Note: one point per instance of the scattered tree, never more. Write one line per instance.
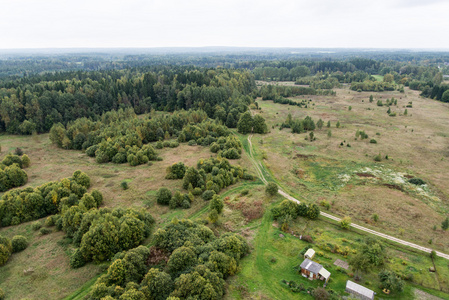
(163, 196)
(271, 189)
(345, 223)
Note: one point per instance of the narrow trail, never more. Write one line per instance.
(326, 215)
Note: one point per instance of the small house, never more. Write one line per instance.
(314, 270)
(310, 254)
(359, 291)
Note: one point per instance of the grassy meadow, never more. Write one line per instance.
(341, 170)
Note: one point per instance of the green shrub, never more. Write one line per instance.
(345, 223)
(19, 243)
(18, 151)
(373, 141)
(244, 192)
(5, 249)
(197, 191)
(124, 185)
(208, 194)
(45, 231)
(77, 259)
(176, 171)
(174, 144)
(98, 196)
(176, 200)
(271, 189)
(378, 157)
(163, 196)
(25, 161)
(5, 253)
(36, 225)
(216, 203)
(81, 178)
(49, 221)
(88, 201)
(159, 145)
(416, 181)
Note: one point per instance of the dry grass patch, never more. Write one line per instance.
(416, 144)
(399, 213)
(48, 274)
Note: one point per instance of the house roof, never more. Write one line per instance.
(310, 252)
(325, 273)
(311, 266)
(359, 289)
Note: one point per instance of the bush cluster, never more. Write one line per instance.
(7, 247)
(213, 174)
(18, 206)
(101, 233)
(196, 269)
(293, 209)
(229, 147)
(176, 171)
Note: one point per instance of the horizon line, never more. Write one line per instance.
(229, 47)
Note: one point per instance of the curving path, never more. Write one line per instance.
(326, 215)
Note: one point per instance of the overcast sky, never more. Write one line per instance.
(195, 23)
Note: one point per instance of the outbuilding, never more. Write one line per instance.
(310, 254)
(359, 291)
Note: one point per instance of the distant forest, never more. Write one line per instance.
(39, 90)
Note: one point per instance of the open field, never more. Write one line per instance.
(324, 170)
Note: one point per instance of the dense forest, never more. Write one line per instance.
(36, 103)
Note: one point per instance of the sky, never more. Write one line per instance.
(241, 23)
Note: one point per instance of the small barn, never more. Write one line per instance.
(359, 291)
(314, 270)
(310, 254)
